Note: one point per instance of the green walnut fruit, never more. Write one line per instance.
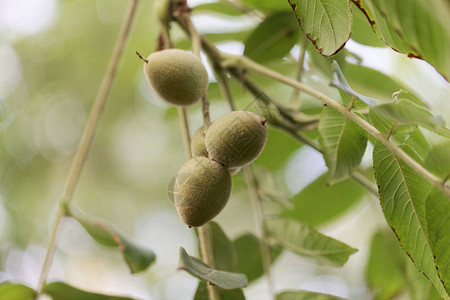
(198, 146)
(177, 76)
(202, 188)
(236, 139)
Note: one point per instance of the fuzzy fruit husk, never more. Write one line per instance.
(236, 139)
(177, 76)
(201, 190)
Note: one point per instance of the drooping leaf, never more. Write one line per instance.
(222, 7)
(304, 295)
(386, 266)
(362, 32)
(402, 195)
(202, 293)
(137, 258)
(223, 249)
(273, 38)
(373, 83)
(341, 83)
(343, 144)
(418, 28)
(437, 210)
(224, 280)
(16, 291)
(249, 259)
(405, 112)
(62, 291)
(305, 240)
(318, 203)
(327, 23)
(438, 160)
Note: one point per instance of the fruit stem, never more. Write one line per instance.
(253, 189)
(203, 232)
(87, 138)
(196, 49)
(184, 126)
(141, 57)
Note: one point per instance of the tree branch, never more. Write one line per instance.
(87, 138)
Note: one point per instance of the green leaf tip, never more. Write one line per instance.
(221, 279)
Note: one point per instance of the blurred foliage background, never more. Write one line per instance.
(53, 54)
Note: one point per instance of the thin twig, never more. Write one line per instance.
(275, 122)
(87, 138)
(234, 61)
(248, 64)
(295, 99)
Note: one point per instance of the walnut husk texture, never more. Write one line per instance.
(177, 76)
(236, 139)
(198, 146)
(201, 191)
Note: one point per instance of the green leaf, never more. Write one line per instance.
(197, 268)
(223, 249)
(202, 293)
(386, 266)
(268, 5)
(413, 141)
(273, 38)
(249, 259)
(327, 23)
(318, 203)
(418, 28)
(63, 291)
(137, 258)
(343, 144)
(419, 287)
(405, 112)
(438, 160)
(15, 291)
(362, 32)
(437, 209)
(341, 83)
(325, 64)
(305, 240)
(375, 84)
(402, 195)
(304, 295)
(222, 7)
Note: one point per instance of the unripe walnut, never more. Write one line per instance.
(198, 146)
(236, 139)
(177, 76)
(201, 191)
